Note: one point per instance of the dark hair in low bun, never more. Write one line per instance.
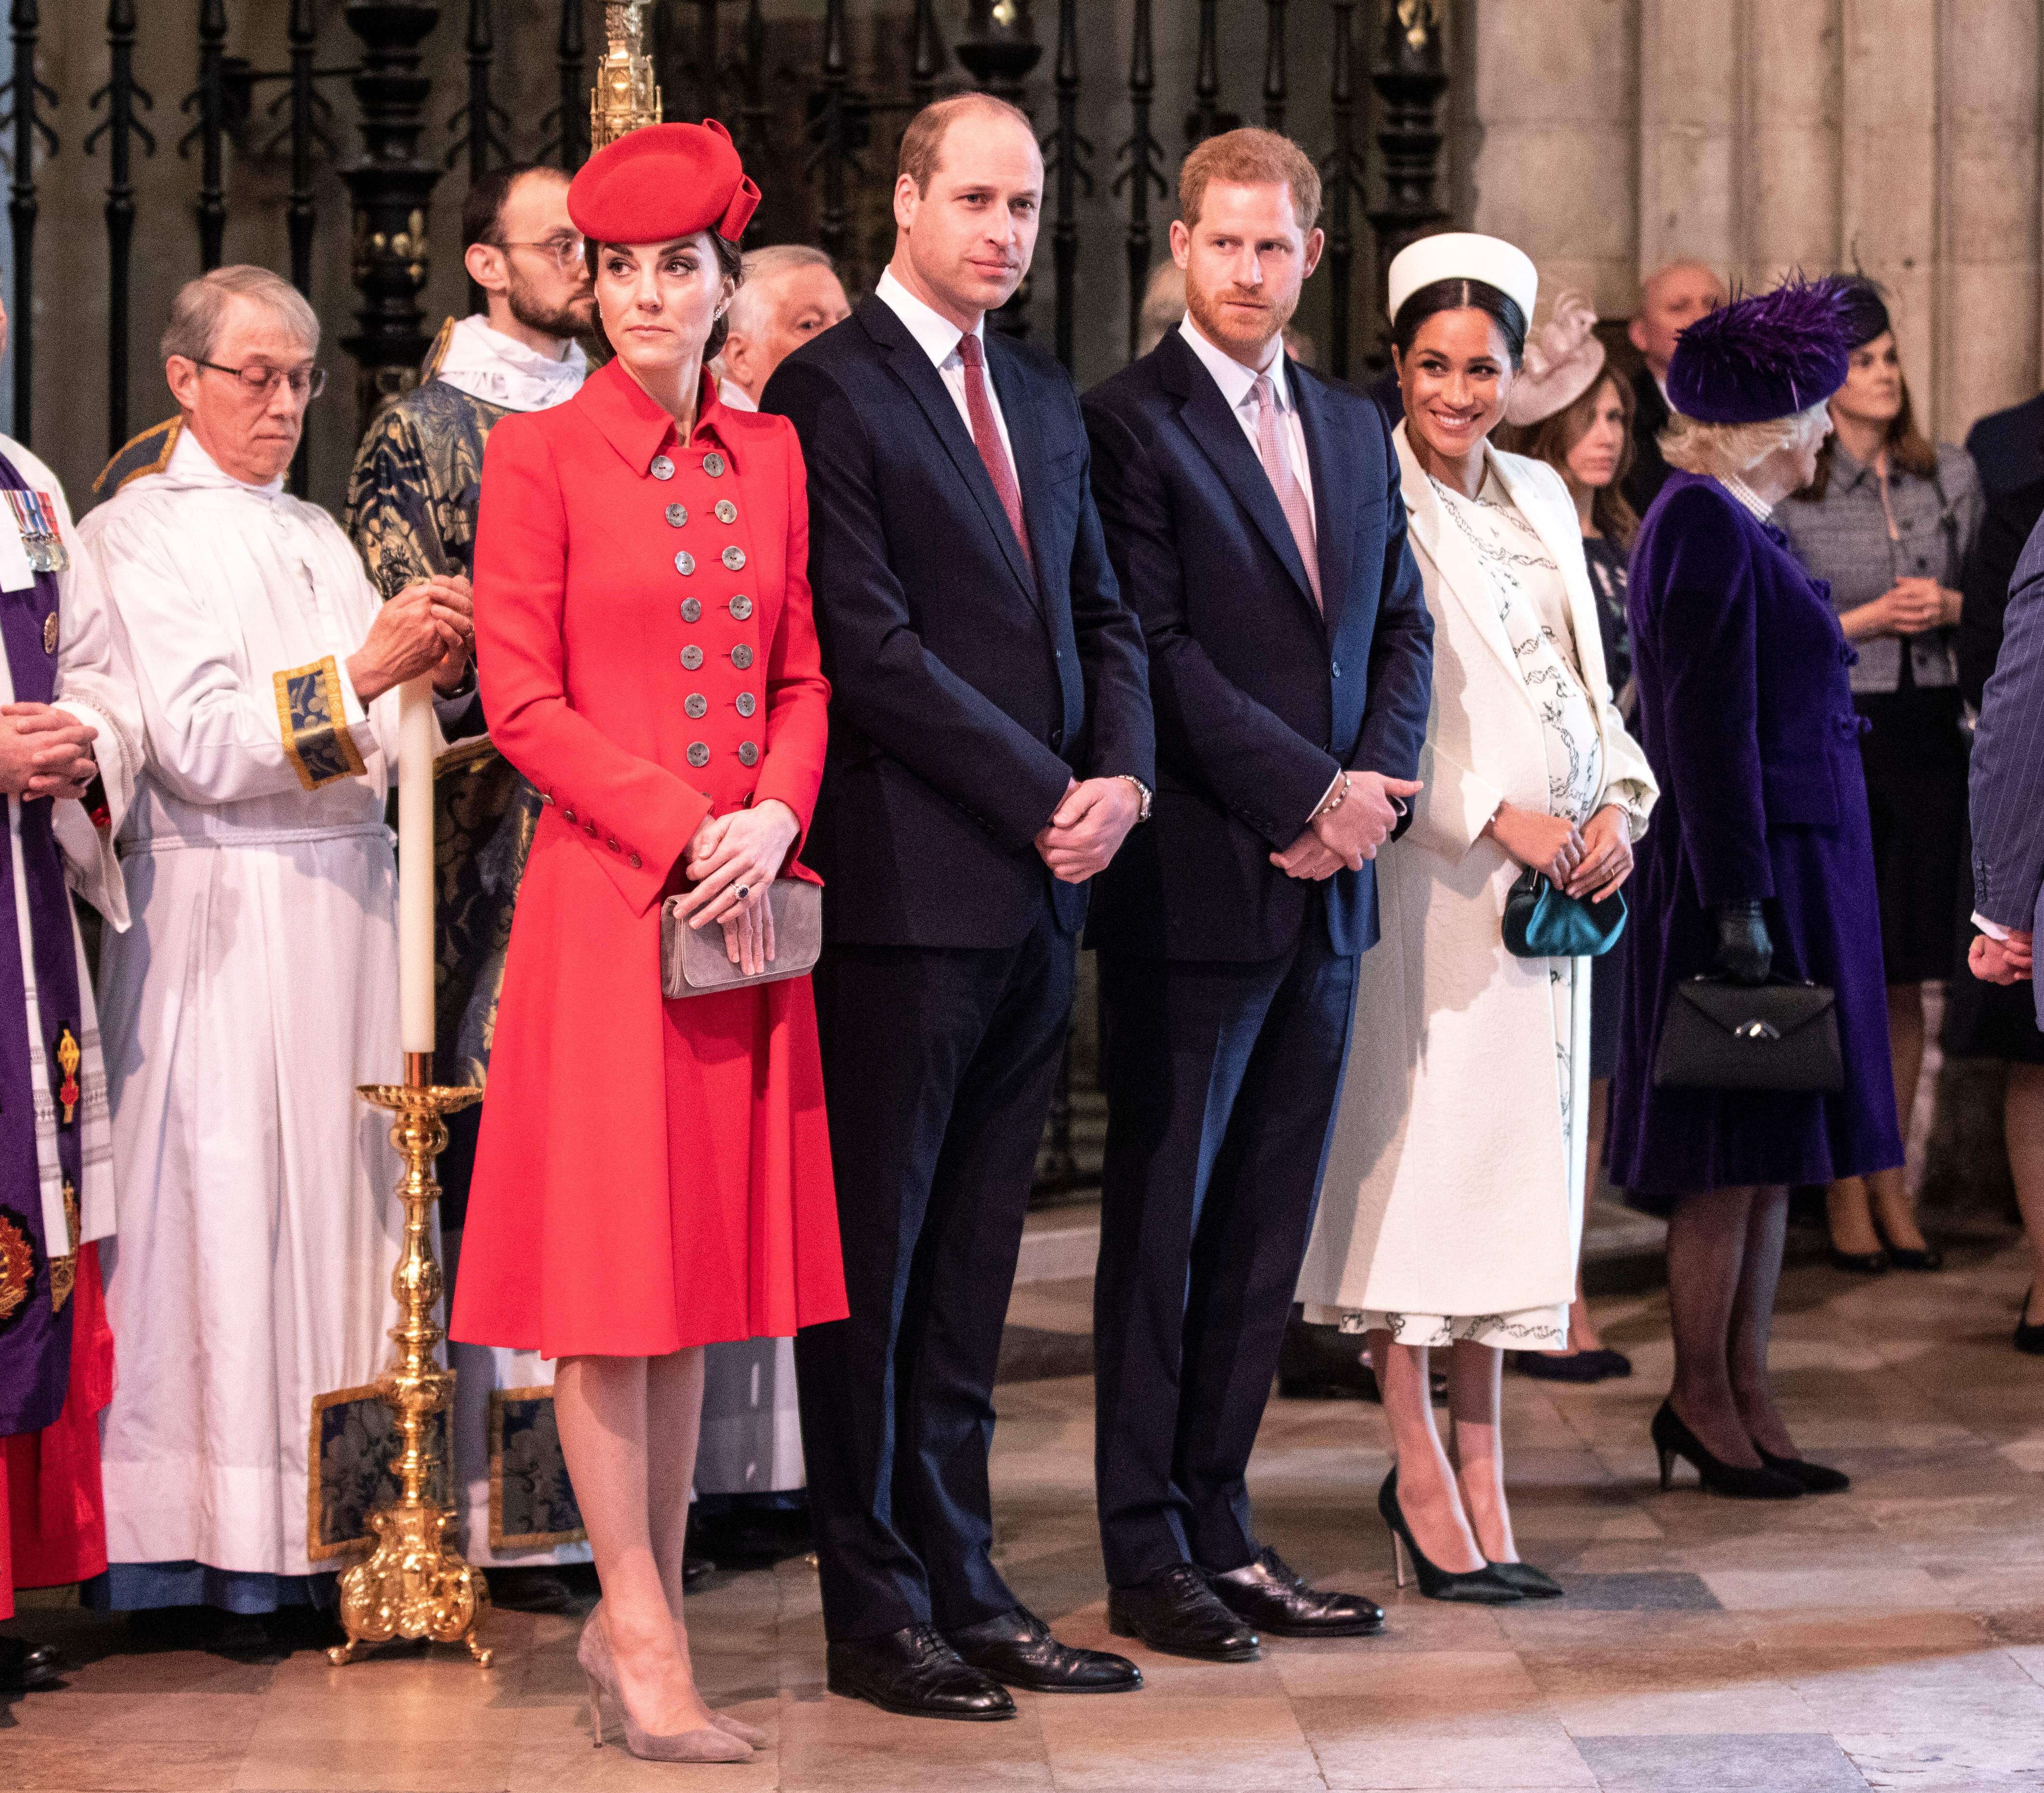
(1461, 295)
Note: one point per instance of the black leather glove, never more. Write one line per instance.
(1746, 951)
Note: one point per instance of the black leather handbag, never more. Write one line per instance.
(1540, 922)
(1718, 1034)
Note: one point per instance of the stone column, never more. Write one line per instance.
(1557, 94)
(1986, 346)
(1790, 201)
(1692, 63)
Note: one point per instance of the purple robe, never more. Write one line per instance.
(1746, 715)
(35, 1333)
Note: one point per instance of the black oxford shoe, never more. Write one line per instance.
(914, 1673)
(1273, 1598)
(1017, 1648)
(25, 1667)
(1179, 1613)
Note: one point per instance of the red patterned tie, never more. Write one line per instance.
(986, 439)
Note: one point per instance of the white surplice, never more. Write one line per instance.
(257, 987)
(90, 687)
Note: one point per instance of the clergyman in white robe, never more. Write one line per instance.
(257, 988)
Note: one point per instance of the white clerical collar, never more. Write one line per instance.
(191, 469)
(1234, 380)
(500, 370)
(732, 396)
(937, 336)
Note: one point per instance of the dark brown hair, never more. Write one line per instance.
(482, 211)
(1553, 439)
(1908, 448)
(923, 142)
(1250, 158)
(730, 266)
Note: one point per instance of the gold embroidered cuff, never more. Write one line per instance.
(313, 718)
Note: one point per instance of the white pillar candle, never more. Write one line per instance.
(415, 862)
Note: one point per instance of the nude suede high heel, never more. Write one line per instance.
(715, 1743)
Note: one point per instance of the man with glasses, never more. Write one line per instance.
(412, 501)
(257, 984)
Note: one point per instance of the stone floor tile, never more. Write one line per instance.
(1478, 1692)
(1875, 1584)
(1648, 1591)
(130, 1765)
(1933, 1762)
(1777, 1762)
(1167, 1745)
(828, 1744)
(170, 1718)
(365, 1764)
(1356, 1753)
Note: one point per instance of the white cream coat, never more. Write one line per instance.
(1449, 1188)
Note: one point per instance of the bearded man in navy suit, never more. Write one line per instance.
(1253, 516)
(990, 747)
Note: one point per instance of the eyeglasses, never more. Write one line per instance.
(566, 251)
(259, 382)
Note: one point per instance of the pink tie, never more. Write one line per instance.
(1291, 498)
(986, 439)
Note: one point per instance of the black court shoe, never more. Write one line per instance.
(1484, 1586)
(1671, 1439)
(1532, 1584)
(2029, 1338)
(1812, 1478)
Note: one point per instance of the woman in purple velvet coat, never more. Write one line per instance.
(1758, 858)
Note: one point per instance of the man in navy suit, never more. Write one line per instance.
(1253, 516)
(2007, 789)
(991, 745)
(2007, 446)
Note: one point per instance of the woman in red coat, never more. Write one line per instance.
(652, 1176)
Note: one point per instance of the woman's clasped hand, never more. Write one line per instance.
(733, 861)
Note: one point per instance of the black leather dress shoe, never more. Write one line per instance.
(1271, 1597)
(1180, 1614)
(1017, 1648)
(914, 1673)
(25, 1667)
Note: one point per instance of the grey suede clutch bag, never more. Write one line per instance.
(693, 962)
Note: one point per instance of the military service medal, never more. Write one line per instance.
(36, 516)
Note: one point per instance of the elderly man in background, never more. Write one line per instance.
(788, 294)
(1671, 299)
(413, 499)
(257, 985)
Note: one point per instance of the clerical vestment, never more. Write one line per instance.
(56, 1170)
(249, 1291)
(412, 503)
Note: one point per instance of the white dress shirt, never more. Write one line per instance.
(1238, 385)
(939, 339)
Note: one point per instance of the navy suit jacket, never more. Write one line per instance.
(2007, 446)
(965, 691)
(1260, 699)
(2008, 778)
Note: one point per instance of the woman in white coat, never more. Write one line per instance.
(1451, 1205)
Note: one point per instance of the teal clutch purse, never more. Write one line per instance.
(1540, 922)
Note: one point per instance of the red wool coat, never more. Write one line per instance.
(651, 1175)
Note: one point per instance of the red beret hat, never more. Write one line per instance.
(661, 182)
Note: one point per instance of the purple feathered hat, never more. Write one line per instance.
(1766, 356)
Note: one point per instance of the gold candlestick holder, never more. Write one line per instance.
(415, 1584)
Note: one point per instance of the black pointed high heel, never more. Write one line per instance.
(1671, 1439)
(1483, 1587)
(1812, 1478)
(2029, 1337)
(1532, 1584)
